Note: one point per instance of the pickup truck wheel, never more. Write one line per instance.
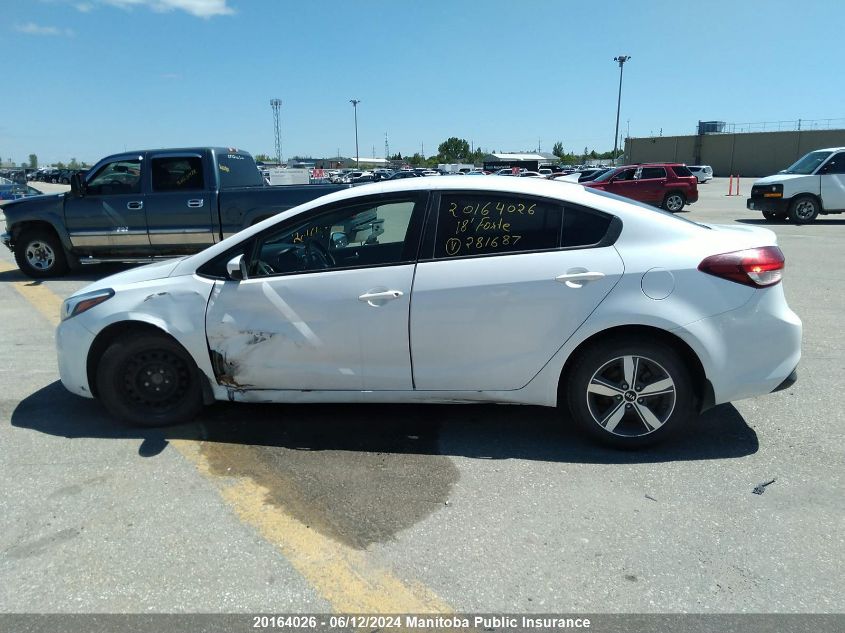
(803, 209)
(149, 380)
(674, 202)
(39, 253)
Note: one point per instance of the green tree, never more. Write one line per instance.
(416, 160)
(557, 150)
(60, 165)
(453, 150)
(73, 164)
(263, 158)
(33, 161)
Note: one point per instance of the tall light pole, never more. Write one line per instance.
(621, 59)
(355, 103)
(276, 104)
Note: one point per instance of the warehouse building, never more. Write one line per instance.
(750, 154)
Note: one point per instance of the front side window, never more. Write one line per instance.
(177, 173)
(483, 224)
(836, 165)
(372, 234)
(626, 174)
(118, 177)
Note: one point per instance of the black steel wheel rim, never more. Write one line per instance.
(154, 380)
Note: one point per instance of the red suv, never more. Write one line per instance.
(669, 185)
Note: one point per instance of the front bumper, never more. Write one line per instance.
(73, 341)
(775, 205)
(6, 238)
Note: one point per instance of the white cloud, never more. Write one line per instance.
(31, 28)
(199, 8)
(84, 7)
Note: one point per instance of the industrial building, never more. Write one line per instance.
(750, 154)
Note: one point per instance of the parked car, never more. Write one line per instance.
(143, 205)
(668, 185)
(813, 185)
(702, 172)
(399, 175)
(512, 290)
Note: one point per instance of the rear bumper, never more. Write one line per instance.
(775, 205)
(750, 351)
(790, 380)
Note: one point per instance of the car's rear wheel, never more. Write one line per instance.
(804, 209)
(149, 379)
(629, 394)
(674, 202)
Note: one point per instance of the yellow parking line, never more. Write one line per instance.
(47, 302)
(343, 576)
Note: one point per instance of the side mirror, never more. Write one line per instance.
(236, 268)
(339, 240)
(77, 185)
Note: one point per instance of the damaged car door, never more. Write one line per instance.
(322, 302)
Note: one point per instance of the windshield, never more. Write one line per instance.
(808, 164)
(606, 176)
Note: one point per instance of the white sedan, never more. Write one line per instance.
(509, 290)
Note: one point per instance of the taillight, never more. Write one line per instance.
(756, 267)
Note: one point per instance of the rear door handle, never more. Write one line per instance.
(196, 204)
(135, 205)
(380, 297)
(578, 279)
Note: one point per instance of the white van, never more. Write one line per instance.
(814, 184)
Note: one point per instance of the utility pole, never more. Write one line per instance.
(276, 104)
(386, 148)
(621, 59)
(355, 103)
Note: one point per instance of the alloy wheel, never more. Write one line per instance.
(631, 396)
(40, 255)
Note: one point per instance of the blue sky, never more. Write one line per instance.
(92, 77)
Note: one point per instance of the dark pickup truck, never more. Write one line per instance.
(146, 205)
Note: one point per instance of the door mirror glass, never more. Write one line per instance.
(339, 240)
(236, 268)
(77, 185)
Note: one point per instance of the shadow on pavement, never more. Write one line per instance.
(85, 273)
(763, 221)
(476, 431)
(360, 474)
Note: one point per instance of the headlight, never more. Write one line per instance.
(84, 302)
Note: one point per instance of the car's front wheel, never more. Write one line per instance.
(629, 394)
(804, 209)
(674, 202)
(149, 379)
(39, 253)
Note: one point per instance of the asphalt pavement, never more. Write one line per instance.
(465, 508)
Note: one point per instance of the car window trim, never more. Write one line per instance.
(410, 254)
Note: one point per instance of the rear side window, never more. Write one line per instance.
(479, 224)
(177, 173)
(681, 171)
(582, 227)
(652, 172)
(238, 170)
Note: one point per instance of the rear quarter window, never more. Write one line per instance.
(681, 171)
(583, 227)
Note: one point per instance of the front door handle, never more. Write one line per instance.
(578, 279)
(196, 203)
(380, 297)
(135, 205)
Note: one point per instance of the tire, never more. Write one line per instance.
(674, 202)
(771, 216)
(622, 415)
(39, 253)
(149, 380)
(804, 209)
